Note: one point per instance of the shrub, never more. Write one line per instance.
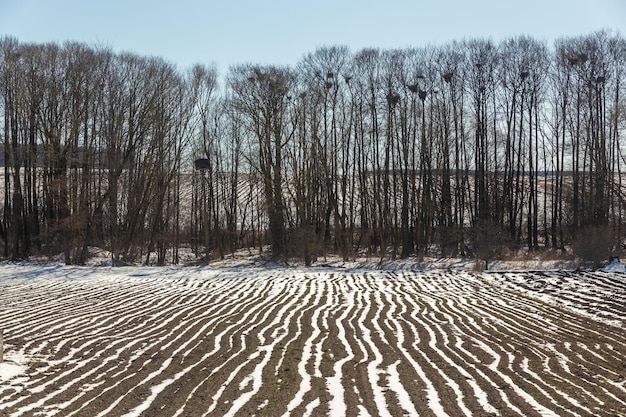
(488, 240)
(594, 245)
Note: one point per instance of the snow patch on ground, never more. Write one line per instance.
(615, 266)
(255, 257)
(10, 370)
(13, 365)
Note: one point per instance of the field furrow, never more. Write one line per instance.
(236, 342)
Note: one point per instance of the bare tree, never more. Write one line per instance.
(263, 96)
(399, 152)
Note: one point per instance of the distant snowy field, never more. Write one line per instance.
(244, 339)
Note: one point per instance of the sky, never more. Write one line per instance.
(281, 32)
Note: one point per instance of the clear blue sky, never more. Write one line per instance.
(280, 32)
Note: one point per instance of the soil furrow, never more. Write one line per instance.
(207, 341)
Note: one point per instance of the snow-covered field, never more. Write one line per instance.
(339, 341)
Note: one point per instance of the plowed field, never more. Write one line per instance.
(310, 342)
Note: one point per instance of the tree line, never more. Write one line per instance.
(458, 149)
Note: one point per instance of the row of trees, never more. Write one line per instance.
(450, 150)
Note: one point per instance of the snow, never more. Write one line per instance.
(283, 307)
(615, 266)
(13, 365)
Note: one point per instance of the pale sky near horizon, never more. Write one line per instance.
(281, 32)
